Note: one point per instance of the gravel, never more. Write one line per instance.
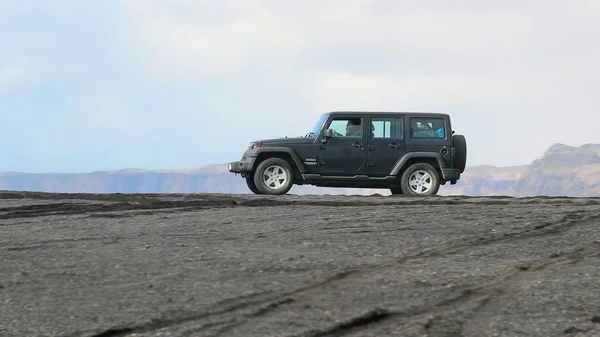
(103, 265)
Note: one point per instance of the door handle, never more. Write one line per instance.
(357, 144)
(393, 145)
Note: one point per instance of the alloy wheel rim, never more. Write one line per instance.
(420, 181)
(274, 177)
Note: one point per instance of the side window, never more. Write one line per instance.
(387, 128)
(381, 128)
(346, 127)
(427, 128)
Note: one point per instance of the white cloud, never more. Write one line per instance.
(487, 63)
(338, 90)
(224, 36)
(281, 63)
(179, 44)
(13, 74)
(217, 38)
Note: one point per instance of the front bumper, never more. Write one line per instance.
(241, 166)
(451, 174)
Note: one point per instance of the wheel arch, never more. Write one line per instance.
(288, 155)
(434, 159)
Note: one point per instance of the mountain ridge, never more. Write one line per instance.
(562, 170)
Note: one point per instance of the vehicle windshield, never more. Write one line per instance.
(317, 126)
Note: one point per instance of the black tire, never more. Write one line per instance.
(396, 190)
(429, 173)
(460, 145)
(252, 185)
(281, 168)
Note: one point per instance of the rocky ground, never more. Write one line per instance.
(245, 265)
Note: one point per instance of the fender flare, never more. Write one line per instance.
(290, 152)
(410, 155)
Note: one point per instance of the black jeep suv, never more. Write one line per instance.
(409, 153)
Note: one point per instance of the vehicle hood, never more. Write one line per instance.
(285, 141)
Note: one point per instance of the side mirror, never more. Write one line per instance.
(328, 133)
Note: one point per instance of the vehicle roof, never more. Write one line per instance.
(415, 113)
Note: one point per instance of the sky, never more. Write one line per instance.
(105, 85)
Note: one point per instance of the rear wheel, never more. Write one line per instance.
(252, 185)
(396, 190)
(273, 176)
(420, 179)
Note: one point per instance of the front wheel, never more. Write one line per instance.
(273, 176)
(420, 179)
(252, 185)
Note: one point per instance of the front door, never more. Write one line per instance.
(344, 154)
(385, 144)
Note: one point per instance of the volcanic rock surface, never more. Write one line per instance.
(102, 265)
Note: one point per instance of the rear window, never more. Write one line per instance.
(427, 128)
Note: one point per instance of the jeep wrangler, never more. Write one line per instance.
(409, 153)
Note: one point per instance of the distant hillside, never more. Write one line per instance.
(562, 170)
(214, 178)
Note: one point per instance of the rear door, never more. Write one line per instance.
(385, 144)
